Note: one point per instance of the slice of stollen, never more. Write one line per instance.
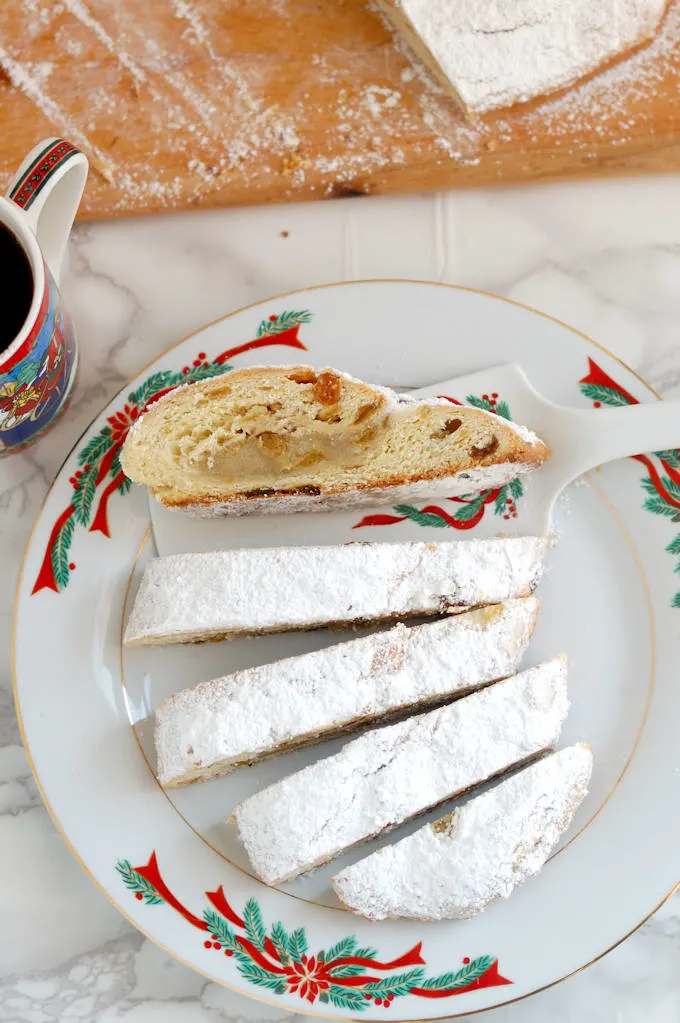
(189, 598)
(291, 438)
(455, 867)
(502, 52)
(392, 774)
(214, 727)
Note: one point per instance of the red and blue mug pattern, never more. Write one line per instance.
(38, 368)
(36, 383)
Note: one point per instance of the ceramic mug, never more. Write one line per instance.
(38, 355)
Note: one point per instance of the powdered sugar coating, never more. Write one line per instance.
(391, 774)
(456, 867)
(188, 597)
(210, 728)
(468, 481)
(499, 53)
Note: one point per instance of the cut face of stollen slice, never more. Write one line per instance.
(392, 774)
(290, 438)
(187, 598)
(455, 867)
(216, 726)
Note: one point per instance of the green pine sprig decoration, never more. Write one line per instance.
(96, 447)
(218, 926)
(297, 946)
(138, 884)
(284, 321)
(465, 512)
(461, 978)
(83, 495)
(397, 986)
(159, 381)
(345, 947)
(660, 507)
(674, 546)
(60, 552)
(366, 952)
(281, 942)
(477, 402)
(419, 517)
(346, 998)
(263, 978)
(604, 395)
(255, 928)
(502, 409)
(671, 458)
(346, 970)
(501, 502)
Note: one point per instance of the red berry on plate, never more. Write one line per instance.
(207, 944)
(216, 944)
(139, 896)
(494, 395)
(72, 566)
(272, 318)
(466, 960)
(201, 355)
(597, 404)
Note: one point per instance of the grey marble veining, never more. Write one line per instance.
(603, 256)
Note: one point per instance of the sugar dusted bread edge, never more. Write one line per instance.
(453, 868)
(260, 712)
(186, 598)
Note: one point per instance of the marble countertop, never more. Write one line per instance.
(604, 256)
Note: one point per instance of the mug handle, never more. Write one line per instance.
(48, 187)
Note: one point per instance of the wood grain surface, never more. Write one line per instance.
(182, 104)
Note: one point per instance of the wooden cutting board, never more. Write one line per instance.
(182, 104)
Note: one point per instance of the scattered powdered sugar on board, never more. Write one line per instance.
(616, 98)
(186, 105)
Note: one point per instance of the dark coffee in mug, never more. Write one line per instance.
(16, 287)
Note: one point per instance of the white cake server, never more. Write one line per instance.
(579, 439)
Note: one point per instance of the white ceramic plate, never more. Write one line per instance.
(610, 599)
